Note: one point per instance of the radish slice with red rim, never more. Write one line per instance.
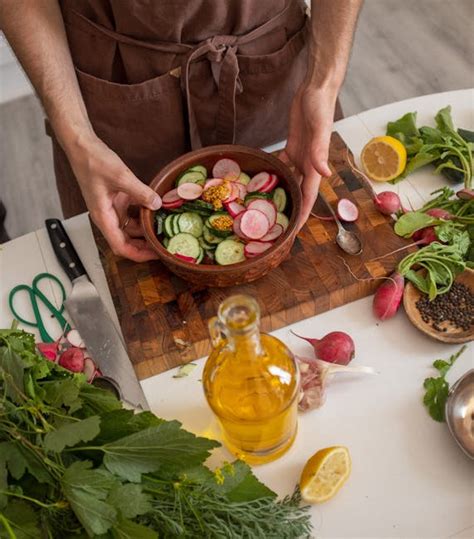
(214, 182)
(347, 210)
(74, 339)
(234, 193)
(189, 191)
(242, 190)
(234, 208)
(266, 207)
(236, 226)
(254, 224)
(272, 183)
(256, 248)
(185, 258)
(275, 232)
(171, 196)
(173, 205)
(226, 169)
(89, 369)
(258, 181)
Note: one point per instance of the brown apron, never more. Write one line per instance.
(162, 77)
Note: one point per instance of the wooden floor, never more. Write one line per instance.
(403, 48)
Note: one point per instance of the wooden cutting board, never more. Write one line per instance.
(164, 319)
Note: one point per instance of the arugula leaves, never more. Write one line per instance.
(443, 146)
(74, 463)
(437, 389)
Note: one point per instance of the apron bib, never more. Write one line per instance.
(220, 72)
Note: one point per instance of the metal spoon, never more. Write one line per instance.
(459, 412)
(348, 241)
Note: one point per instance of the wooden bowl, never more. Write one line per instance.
(251, 161)
(453, 334)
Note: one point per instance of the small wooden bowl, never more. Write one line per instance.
(453, 335)
(251, 161)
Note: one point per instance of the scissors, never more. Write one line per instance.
(37, 295)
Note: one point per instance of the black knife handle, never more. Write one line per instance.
(64, 249)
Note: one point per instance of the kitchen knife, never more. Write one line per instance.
(91, 319)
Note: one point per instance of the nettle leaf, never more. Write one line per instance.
(146, 451)
(86, 489)
(126, 529)
(97, 400)
(130, 500)
(12, 371)
(19, 459)
(70, 434)
(120, 423)
(62, 393)
(22, 519)
(237, 482)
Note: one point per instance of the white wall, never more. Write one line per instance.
(13, 82)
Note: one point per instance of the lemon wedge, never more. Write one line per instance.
(325, 473)
(384, 158)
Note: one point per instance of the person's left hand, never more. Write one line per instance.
(307, 148)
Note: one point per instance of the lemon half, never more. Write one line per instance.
(384, 158)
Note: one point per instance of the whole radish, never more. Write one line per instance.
(387, 202)
(439, 213)
(388, 297)
(465, 194)
(335, 347)
(425, 236)
(49, 350)
(72, 359)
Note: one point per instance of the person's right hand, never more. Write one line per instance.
(109, 187)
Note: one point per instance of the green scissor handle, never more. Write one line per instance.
(35, 295)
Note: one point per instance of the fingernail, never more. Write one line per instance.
(156, 203)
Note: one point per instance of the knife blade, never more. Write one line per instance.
(91, 319)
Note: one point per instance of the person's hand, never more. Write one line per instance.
(307, 148)
(109, 187)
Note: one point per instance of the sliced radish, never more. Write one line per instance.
(275, 232)
(255, 248)
(185, 258)
(273, 182)
(266, 207)
(236, 226)
(226, 169)
(74, 339)
(234, 193)
(190, 191)
(171, 196)
(89, 369)
(49, 350)
(214, 182)
(72, 359)
(234, 208)
(254, 224)
(242, 190)
(258, 181)
(173, 205)
(347, 210)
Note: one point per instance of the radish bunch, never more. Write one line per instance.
(69, 352)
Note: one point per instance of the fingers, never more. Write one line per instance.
(138, 191)
(309, 190)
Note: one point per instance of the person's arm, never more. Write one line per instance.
(35, 31)
(333, 24)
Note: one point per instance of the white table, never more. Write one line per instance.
(409, 479)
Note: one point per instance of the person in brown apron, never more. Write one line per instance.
(128, 85)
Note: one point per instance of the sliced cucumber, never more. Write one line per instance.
(166, 242)
(199, 206)
(216, 231)
(256, 194)
(168, 226)
(160, 217)
(190, 223)
(282, 220)
(175, 224)
(279, 199)
(206, 245)
(184, 244)
(230, 252)
(200, 256)
(210, 237)
(198, 168)
(243, 178)
(191, 177)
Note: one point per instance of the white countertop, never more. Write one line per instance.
(409, 479)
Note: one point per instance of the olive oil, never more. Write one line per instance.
(251, 384)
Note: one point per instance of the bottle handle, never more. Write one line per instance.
(217, 332)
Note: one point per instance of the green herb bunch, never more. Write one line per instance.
(449, 149)
(74, 464)
(453, 251)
